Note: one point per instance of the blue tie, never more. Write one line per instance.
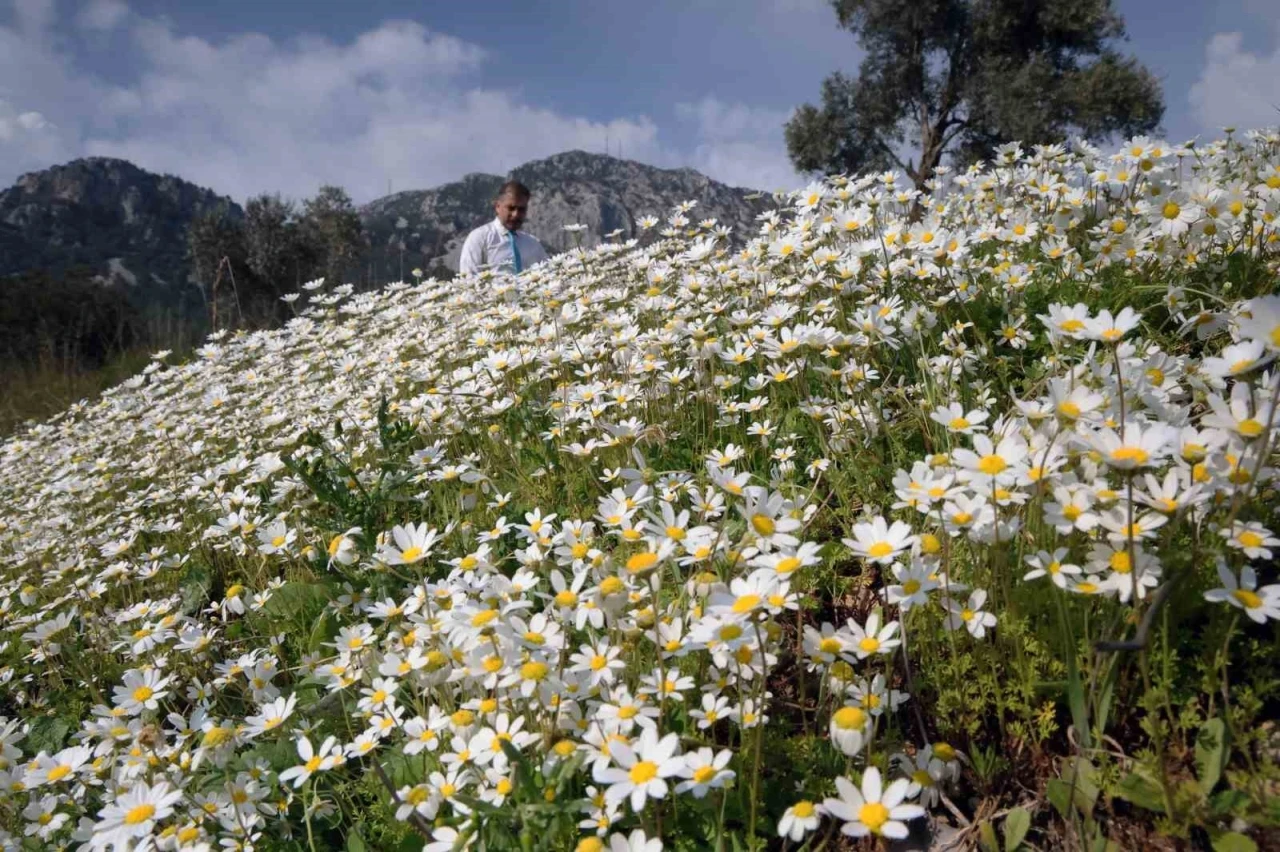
(515, 250)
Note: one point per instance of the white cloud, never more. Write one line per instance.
(34, 16)
(1236, 87)
(739, 144)
(102, 15)
(248, 114)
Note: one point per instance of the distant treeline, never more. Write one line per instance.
(66, 319)
(68, 333)
(240, 267)
(244, 265)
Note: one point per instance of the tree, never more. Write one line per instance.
(963, 77)
(331, 227)
(271, 242)
(216, 249)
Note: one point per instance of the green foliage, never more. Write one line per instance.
(331, 226)
(966, 76)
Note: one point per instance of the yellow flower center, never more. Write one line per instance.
(849, 718)
(869, 644)
(215, 737)
(566, 598)
(746, 603)
(1249, 538)
(992, 464)
(1251, 600)
(142, 693)
(787, 564)
(59, 772)
(411, 554)
(959, 424)
(641, 562)
(533, 670)
(763, 524)
(643, 772)
(1136, 455)
(703, 774)
(804, 810)
(139, 814)
(830, 645)
(730, 632)
(873, 815)
(879, 549)
(1250, 428)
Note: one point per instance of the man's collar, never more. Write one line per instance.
(502, 227)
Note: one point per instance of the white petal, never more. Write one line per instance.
(871, 786)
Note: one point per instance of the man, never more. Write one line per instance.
(501, 244)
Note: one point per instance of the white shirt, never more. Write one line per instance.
(489, 247)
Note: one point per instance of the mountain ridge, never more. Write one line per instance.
(129, 224)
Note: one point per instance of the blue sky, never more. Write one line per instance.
(247, 97)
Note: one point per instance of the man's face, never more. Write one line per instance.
(511, 211)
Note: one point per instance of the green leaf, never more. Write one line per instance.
(1083, 793)
(298, 602)
(1059, 795)
(1107, 693)
(1233, 841)
(48, 733)
(987, 837)
(403, 770)
(1141, 791)
(1228, 802)
(1076, 701)
(195, 588)
(355, 843)
(1016, 826)
(322, 632)
(1211, 754)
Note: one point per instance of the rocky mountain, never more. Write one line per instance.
(126, 223)
(573, 188)
(130, 225)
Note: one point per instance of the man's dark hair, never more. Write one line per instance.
(514, 188)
